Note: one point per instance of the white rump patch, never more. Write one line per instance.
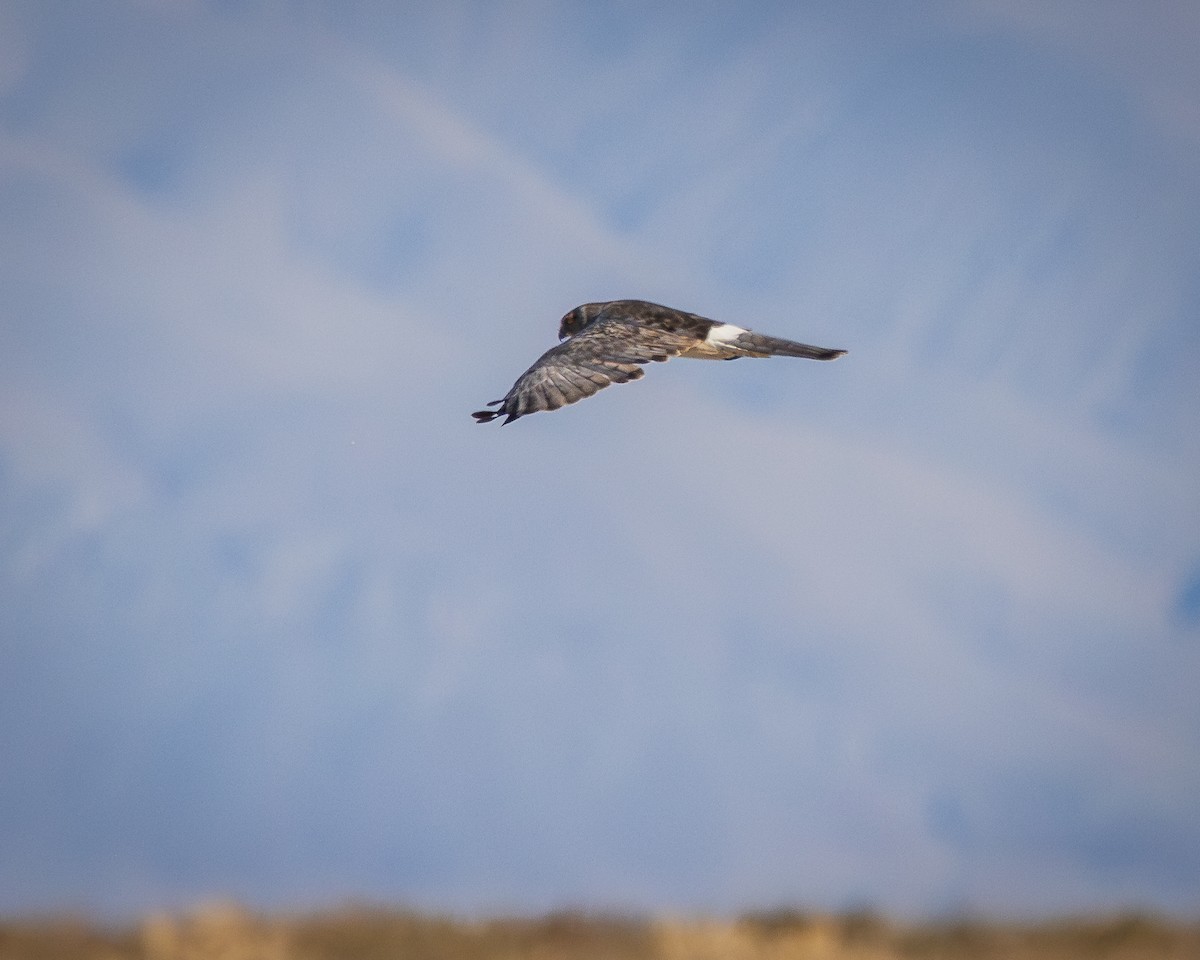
(724, 333)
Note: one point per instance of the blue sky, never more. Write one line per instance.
(918, 630)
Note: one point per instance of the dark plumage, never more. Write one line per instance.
(606, 343)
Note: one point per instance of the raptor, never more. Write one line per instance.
(605, 343)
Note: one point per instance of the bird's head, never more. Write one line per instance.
(577, 319)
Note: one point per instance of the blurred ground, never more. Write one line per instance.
(229, 933)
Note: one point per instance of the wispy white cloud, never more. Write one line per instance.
(900, 629)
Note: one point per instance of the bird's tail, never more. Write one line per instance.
(766, 346)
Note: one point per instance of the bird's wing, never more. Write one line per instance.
(609, 350)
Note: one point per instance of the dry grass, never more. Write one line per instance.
(229, 933)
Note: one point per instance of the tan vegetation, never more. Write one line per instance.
(229, 933)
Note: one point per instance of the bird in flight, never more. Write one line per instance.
(607, 343)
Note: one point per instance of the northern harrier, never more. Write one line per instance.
(609, 342)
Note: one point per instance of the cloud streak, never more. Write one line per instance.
(284, 624)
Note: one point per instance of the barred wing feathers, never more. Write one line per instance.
(605, 352)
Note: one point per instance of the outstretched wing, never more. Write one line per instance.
(606, 351)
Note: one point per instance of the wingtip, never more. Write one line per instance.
(487, 416)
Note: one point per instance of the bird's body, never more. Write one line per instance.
(605, 343)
